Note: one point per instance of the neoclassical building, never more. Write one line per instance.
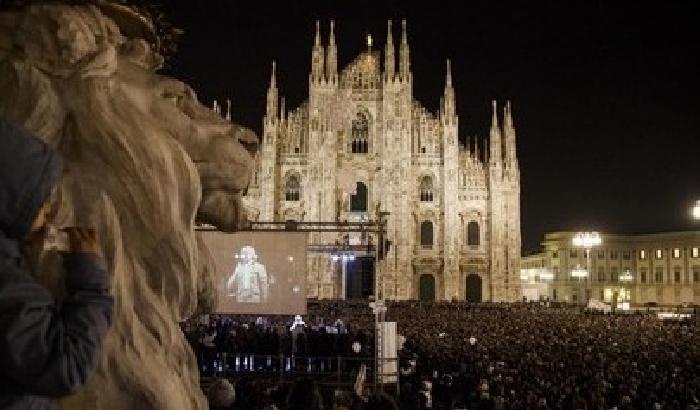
(454, 211)
(662, 268)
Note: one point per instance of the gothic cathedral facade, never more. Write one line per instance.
(454, 213)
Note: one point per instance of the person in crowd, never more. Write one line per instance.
(221, 394)
(47, 349)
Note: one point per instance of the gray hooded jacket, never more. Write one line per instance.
(47, 350)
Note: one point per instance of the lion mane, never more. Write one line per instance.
(145, 161)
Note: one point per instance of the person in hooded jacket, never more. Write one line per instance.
(47, 350)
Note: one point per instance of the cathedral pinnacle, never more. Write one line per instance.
(317, 57)
(448, 79)
(389, 60)
(495, 143)
(404, 59)
(332, 35)
(332, 57)
(317, 39)
(272, 94)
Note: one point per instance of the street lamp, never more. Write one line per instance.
(586, 240)
(696, 210)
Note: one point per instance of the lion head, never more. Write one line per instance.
(145, 160)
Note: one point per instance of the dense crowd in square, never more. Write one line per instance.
(479, 356)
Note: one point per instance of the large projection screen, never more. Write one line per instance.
(259, 272)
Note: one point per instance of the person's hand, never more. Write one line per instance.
(83, 240)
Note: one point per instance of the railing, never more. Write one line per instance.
(336, 369)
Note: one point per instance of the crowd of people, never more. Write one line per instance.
(490, 356)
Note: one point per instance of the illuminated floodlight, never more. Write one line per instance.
(524, 275)
(335, 257)
(290, 258)
(579, 272)
(587, 239)
(696, 210)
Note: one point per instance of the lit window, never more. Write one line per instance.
(696, 252)
(676, 253)
(642, 254)
(659, 254)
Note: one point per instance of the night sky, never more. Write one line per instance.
(605, 94)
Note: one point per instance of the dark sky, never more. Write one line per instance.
(605, 93)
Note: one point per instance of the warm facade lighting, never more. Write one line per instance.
(587, 239)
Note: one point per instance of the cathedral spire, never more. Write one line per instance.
(317, 39)
(389, 58)
(509, 131)
(332, 57)
(404, 59)
(448, 76)
(449, 95)
(317, 57)
(271, 113)
(495, 144)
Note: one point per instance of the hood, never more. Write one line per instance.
(28, 171)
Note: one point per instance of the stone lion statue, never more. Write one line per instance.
(145, 161)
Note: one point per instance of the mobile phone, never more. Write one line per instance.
(56, 240)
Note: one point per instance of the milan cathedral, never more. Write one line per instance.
(454, 210)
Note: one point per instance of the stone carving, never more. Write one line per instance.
(145, 160)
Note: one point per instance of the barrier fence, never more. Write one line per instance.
(338, 369)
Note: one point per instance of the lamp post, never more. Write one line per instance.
(586, 240)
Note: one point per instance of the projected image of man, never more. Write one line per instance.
(248, 283)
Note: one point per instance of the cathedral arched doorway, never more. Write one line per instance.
(473, 289)
(427, 288)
